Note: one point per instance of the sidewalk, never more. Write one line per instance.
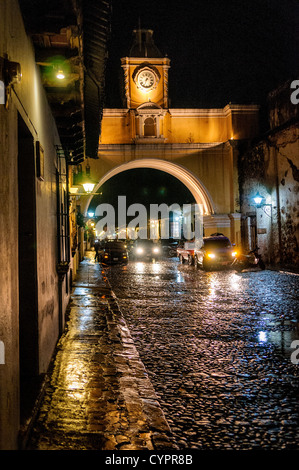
(98, 395)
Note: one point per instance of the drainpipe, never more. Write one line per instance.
(278, 204)
(60, 278)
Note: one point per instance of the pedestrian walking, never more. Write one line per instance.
(96, 247)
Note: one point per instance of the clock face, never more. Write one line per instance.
(146, 79)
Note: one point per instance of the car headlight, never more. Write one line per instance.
(211, 255)
(139, 251)
(156, 250)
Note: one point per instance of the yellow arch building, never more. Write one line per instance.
(197, 146)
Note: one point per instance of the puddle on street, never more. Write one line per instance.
(217, 347)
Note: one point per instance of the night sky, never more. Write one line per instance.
(220, 52)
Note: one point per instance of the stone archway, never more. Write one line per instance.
(195, 186)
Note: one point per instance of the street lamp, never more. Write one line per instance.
(257, 199)
(88, 185)
(60, 75)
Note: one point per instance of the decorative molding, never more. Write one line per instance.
(165, 85)
(127, 83)
(216, 220)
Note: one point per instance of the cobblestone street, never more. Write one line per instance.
(190, 360)
(217, 349)
(97, 395)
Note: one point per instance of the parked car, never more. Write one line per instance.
(169, 248)
(113, 252)
(186, 252)
(146, 250)
(216, 252)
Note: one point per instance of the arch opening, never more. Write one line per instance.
(195, 186)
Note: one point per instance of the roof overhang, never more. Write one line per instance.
(72, 36)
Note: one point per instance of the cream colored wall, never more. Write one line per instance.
(176, 128)
(27, 98)
(185, 125)
(212, 166)
(194, 128)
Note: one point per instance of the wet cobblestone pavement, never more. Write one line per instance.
(216, 347)
(98, 395)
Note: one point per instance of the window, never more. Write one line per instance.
(149, 127)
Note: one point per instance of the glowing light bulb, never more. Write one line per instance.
(60, 75)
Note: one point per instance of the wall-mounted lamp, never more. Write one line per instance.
(88, 185)
(12, 72)
(258, 199)
(60, 74)
(84, 181)
(260, 202)
(87, 191)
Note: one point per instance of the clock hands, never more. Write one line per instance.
(146, 80)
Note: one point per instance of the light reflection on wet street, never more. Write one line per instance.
(217, 348)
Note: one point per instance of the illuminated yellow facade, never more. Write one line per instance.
(150, 123)
(198, 146)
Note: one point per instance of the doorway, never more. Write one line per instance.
(28, 303)
(249, 231)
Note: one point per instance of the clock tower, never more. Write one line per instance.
(145, 72)
(197, 146)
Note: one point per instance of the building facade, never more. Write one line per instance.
(197, 146)
(34, 250)
(270, 168)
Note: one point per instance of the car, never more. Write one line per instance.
(113, 252)
(146, 250)
(216, 252)
(185, 252)
(169, 248)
